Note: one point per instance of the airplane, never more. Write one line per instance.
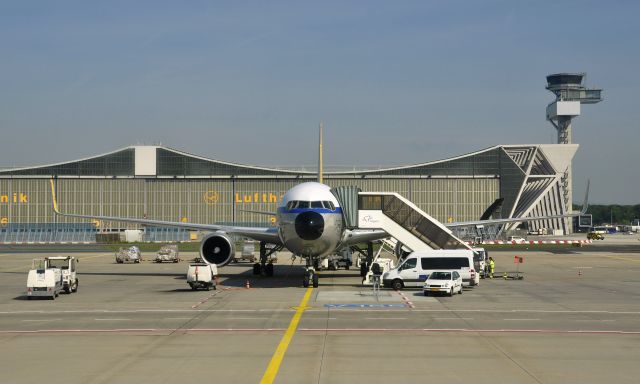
(309, 224)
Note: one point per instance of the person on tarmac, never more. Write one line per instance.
(492, 267)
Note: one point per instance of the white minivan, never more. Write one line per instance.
(415, 268)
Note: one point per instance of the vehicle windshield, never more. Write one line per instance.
(440, 276)
(62, 264)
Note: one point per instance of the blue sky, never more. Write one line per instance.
(248, 81)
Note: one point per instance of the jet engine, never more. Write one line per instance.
(217, 249)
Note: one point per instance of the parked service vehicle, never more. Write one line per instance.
(516, 239)
(202, 275)
(168, 252)
(480, 261)
(595, 236)
(68, 267)
(443, 282)
(43, 281)
(131, 254)
(415, 268)
(247, 250)
(341, 259)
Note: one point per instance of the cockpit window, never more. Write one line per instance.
(295, 204)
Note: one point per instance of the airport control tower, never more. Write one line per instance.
(570, 93)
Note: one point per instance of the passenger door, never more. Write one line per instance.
(409, 273)
(457, 281)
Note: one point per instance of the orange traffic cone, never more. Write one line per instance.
(247, 285)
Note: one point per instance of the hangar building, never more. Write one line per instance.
(161, 183)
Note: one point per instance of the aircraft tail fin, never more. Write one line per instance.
(320, 161)
(585, 203)
(492, 209)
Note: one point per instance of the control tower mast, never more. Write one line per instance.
(570, 92)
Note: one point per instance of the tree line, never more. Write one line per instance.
(612, 214)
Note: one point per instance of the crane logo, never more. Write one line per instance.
(211, 197)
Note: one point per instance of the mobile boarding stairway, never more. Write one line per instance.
(404, 221)
(396, 215)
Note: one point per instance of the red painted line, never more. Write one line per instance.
(356, 330)
(406, 300)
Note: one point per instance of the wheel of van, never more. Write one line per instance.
(315, 280)
(67, 289)
(397, 285)
(426, 293)
(75, 287)
(460, 290)
(305, 281)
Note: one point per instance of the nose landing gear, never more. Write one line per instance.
(310, 275)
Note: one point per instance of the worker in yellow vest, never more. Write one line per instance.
(492, 267)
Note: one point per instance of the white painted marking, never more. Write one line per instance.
(385, 318)
(245, 318)
(43, 320)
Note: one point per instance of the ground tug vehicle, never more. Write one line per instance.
(51, 275)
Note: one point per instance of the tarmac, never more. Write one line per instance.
(573, 318)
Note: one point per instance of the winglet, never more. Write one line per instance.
(585, 203)
(53, 197)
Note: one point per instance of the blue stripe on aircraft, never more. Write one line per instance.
(318, 210)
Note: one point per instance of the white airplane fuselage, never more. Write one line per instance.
(310, 220)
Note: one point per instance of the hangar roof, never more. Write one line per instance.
(164, 162)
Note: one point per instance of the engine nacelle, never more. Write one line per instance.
(217, 249)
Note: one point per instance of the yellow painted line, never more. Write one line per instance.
(274, 365)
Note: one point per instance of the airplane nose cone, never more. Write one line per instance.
(309, 225)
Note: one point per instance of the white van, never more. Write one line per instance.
(418, 265)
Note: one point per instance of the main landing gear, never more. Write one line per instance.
(264, 267)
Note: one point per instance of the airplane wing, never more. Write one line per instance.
(505, 221)
(495, 205)
(267, 234)
(357, 236)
